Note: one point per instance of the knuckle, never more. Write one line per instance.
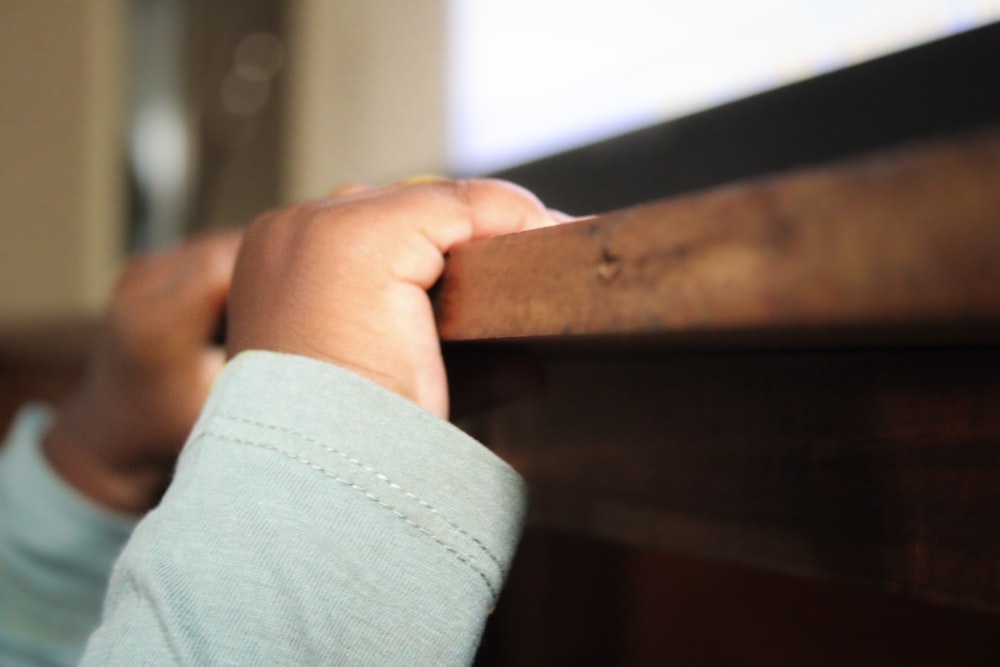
(207, 261)
(459, 189)
(259, 225)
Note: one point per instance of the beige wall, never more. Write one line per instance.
(61, 153)
(364, 99)
(366, 92)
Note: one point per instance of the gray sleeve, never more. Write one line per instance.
(315, 519)
(56, 553)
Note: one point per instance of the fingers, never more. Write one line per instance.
(561, 217)
(463, 211)
(174, 298)
(204, 267)
(448, 213)
(149, 372)
(453, 212)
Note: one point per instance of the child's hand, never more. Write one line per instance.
(345, 279)
(151, 369)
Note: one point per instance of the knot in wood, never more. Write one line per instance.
(609, 267)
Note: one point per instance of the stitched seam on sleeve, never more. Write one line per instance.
(368, 494)
(378, 475)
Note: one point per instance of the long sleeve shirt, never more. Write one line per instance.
(314, 518)
(56, 551)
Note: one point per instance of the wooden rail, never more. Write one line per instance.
(908, 237)
(800, 373)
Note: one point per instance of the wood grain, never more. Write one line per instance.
(905, 238)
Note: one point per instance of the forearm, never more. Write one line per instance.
(315, 518)
(56, 553)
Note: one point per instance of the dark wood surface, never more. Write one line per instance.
(571, 600)
(874, 466)
(800, 374)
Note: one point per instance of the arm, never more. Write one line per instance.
(56, 551)
(73, 482)
(323, 511)
(350, 527)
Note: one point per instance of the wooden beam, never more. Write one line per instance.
(908, 238)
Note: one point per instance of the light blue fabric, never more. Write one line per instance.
(56, 552)
(315, 519)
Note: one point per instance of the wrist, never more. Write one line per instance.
(79, 449)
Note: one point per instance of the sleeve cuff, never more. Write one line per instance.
(425, 470)
(315, 518)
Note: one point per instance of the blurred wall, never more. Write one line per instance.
(361, 97)
(365, 94)
(61, 157)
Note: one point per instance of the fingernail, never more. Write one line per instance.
(422, 178)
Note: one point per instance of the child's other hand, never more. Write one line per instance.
(116, 440)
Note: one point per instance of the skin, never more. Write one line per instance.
(345, 279)
(342, 279)
(117, 438)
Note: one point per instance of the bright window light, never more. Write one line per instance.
(528, 78)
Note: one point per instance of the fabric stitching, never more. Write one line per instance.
(332, 475)
(380, 476)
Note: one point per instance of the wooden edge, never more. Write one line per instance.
(906, 236)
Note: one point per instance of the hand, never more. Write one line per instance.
(149, 373)
(345, 279)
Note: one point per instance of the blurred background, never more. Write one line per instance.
(126, 124)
